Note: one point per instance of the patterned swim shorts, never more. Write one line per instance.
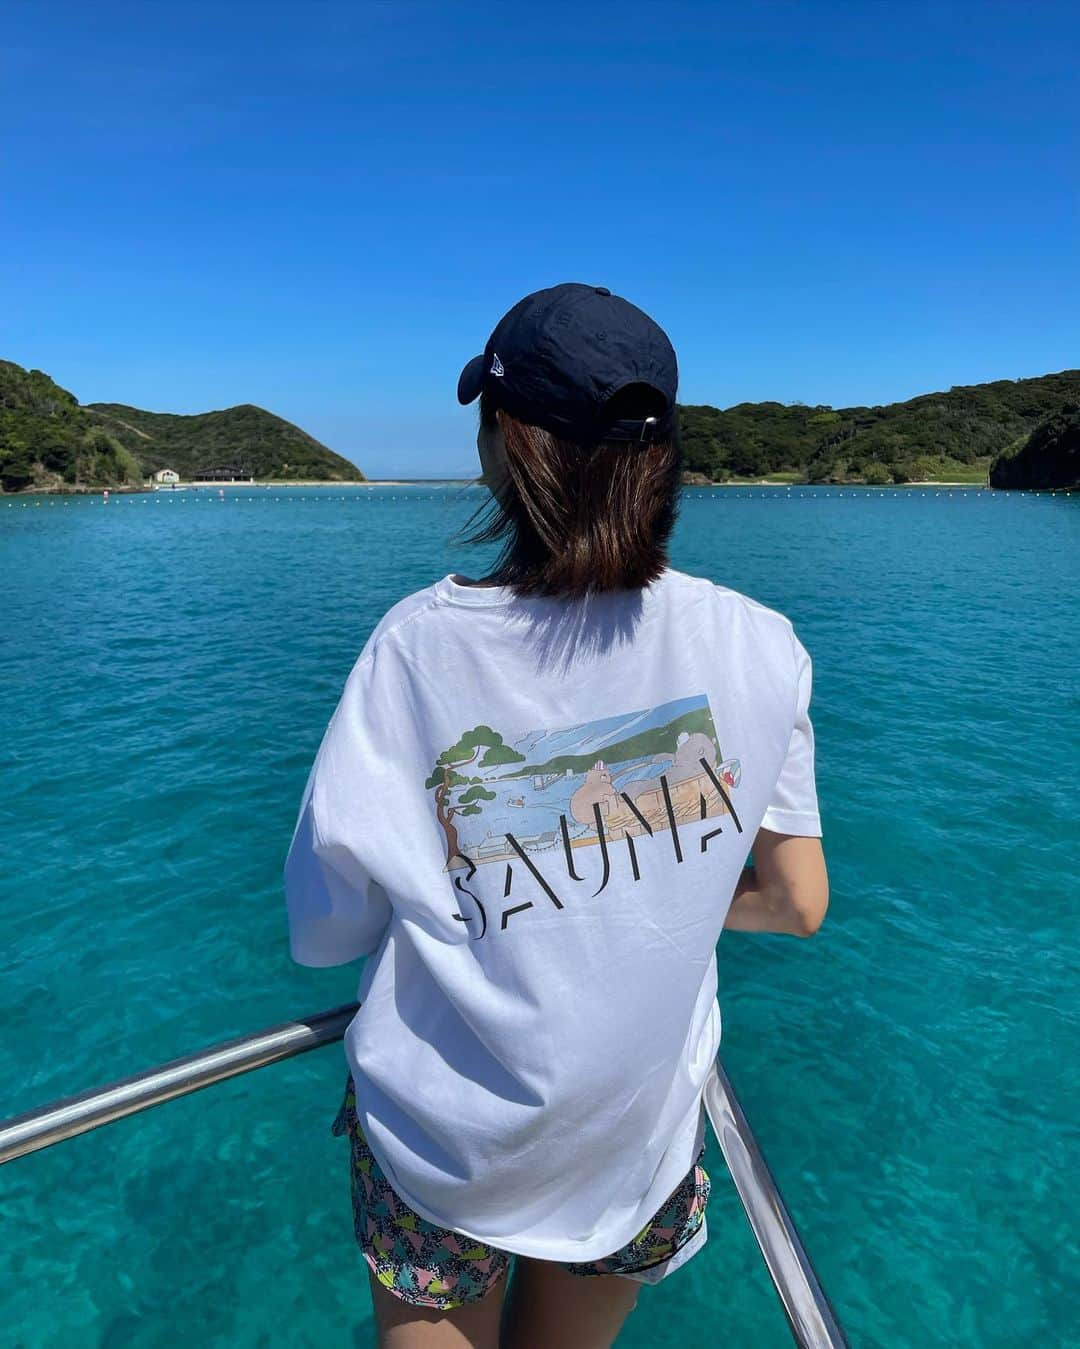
(432, 1266)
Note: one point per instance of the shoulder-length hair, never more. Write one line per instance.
(580, 519)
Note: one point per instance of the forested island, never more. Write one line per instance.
(1014, 433)
(51, 442)
(955, 436)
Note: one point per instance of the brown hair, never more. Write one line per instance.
(580, 519)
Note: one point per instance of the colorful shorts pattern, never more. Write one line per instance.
(432, 1266)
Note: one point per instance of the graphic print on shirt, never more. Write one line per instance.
(533, 799)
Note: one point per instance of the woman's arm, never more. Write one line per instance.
(786, 890)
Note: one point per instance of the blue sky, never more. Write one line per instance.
(324, 208)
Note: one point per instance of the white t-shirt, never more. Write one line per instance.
(531, 815)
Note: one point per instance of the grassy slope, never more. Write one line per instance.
(246, 436)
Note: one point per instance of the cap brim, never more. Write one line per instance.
(471, 381)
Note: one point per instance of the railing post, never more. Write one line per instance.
(810, 1316)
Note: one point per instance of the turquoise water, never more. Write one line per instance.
(168, 665)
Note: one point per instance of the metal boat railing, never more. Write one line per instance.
(809, 1314)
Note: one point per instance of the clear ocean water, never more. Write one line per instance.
(168, 665)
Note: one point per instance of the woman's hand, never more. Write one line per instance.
(786, 890)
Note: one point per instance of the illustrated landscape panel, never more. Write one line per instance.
(635, 773)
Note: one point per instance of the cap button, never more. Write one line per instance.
(602, 290)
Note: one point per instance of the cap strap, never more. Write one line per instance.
(644, 430)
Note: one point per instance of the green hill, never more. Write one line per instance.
(245, 436)
(937, 435)
(48, 440)
(1050, 457)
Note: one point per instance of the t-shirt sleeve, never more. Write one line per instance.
(793, 808)
(336, 911)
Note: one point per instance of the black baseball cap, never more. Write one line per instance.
(560, 355)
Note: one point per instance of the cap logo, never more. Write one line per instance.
(497, 365)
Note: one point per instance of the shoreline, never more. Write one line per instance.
(879, 486)
(267, 484)
(129, 489)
